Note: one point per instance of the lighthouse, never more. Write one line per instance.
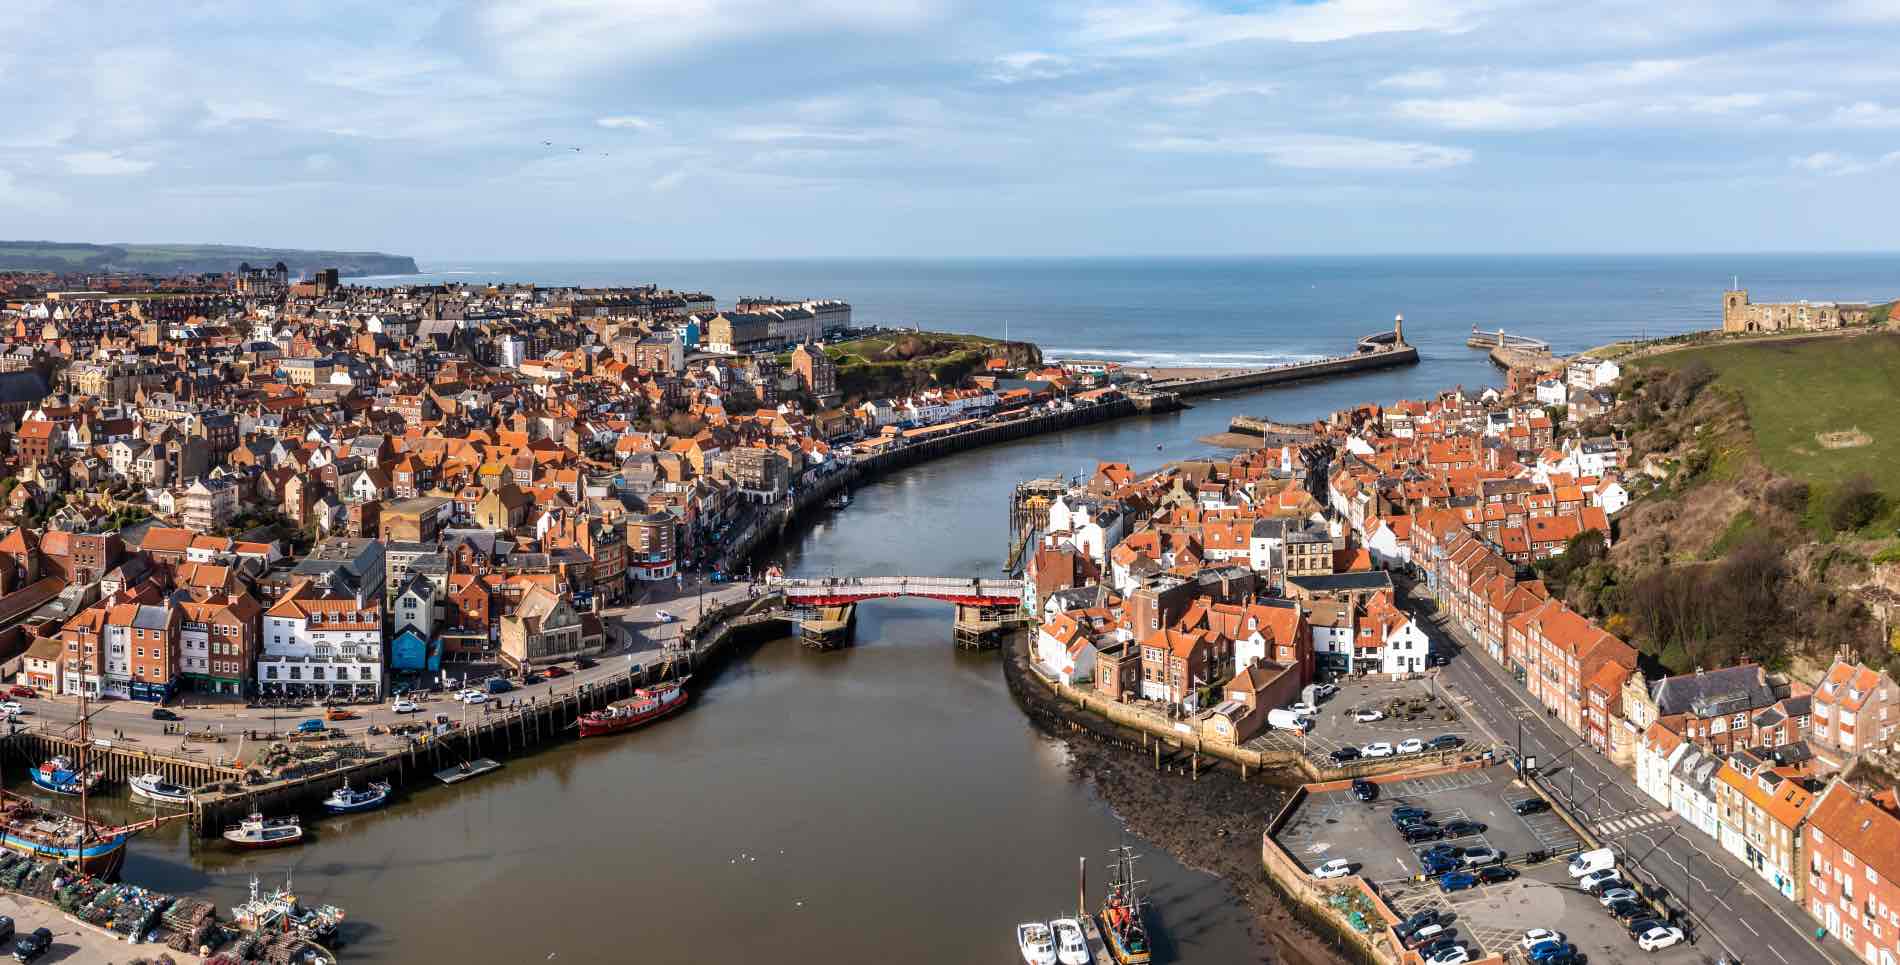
(1398, 328)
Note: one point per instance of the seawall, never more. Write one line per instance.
(1383, 358)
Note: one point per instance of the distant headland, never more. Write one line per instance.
(168, 259)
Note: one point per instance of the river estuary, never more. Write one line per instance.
(883, 803)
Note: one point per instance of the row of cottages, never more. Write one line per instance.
(1576, 669)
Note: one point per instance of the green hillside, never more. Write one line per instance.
(168, 259)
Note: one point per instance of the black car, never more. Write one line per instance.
(1345, 755)
(1597, 890)
(1496, 874)
(1444, 742)
(1420, 833)
(32, 946)
(1409, 812)
(160, 713)
(6, 929)
(1436, 945)
(1418, 920)
(1448, 850)
(1626, 910)
(532, 677)
(585, 663)
(1530, 805)
(1643, 923)
(1460, 828)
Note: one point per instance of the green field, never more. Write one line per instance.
(1799, 392)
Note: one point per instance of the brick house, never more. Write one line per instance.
(1852, 845)
(1175, 663)
(1762, 809)
(1855, 709)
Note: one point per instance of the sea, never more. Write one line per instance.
(1242, 312)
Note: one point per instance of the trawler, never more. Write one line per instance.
(1123, 912)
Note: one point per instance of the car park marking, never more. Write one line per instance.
(1751, 928)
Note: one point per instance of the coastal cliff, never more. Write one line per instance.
(164, 259)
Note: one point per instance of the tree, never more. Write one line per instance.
(1855, 503)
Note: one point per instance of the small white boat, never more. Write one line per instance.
(155, 788)
(1071, 947)
(1037, 945)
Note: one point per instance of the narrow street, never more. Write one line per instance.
(1731, 906)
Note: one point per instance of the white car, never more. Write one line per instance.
(1411, 745)
(1303, 709)
(1659, 938)
(1368, 716)
(404, 705)
(1479, 857)
(1380, 749)
(1336, 868)
(11, 707)
(664, 616)
(1538, 936)
(1455, 955)
(1595, 878)
(1323, 691)
(472, 697)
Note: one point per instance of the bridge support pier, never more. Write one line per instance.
(983, 627)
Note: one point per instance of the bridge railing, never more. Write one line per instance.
(919, 585)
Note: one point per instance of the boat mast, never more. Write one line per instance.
(85, 741)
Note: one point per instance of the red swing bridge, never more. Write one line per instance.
(986, 609)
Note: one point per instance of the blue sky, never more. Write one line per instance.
(779, 128)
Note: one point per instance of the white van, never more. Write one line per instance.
(1284, 719)
(1599, 860)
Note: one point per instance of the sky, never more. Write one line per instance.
(809, 128)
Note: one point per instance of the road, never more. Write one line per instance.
(636, 635)
(1734, 907)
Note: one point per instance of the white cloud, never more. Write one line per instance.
(778, 133)
(1482, 113)
(103, 164)
(1833, 164)
(626, 122)
(319, 163)
(1204, 94)
(1160, 24)
(669, 181)
(1028, 65)
(1323, 151)
(1866, 114)
(13, 194)
(1415, 80)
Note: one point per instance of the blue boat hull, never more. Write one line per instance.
(101, 858)
(69, 787)
(370, 804)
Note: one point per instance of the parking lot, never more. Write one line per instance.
(1334, 726)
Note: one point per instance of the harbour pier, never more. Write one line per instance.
(1511, 351)
(1380, 350)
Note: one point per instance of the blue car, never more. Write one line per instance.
(1436, 864)
(1457, 881)
(311, 726)
(1548, 952)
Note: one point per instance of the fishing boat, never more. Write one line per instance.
(155, 788)
(61, 777)
(94, 848)
(349, 800)
(280, 912)
(258, 831)
(1123, 910)
(1071, 947)
(648, 705)
(1034, 940)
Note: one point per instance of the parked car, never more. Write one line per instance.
(1479, 857)
(33, 946)
(1407, 811)
(6, 929)
(1496, 874)
(1456, 881)
(1323, 691)
(1461, 827)
(555, 672)
(1448, 850)
(1365, 790)
(1303, 708)
(1628, 910)
(1379, 749)
(312, 726)
(339, 713)
(404, 706)
(158, 713)
(1336, 868)
(1589, 861)
(664, 616)
(474, 697)
(1641, 924)
(1653, 940)
(1368, 715)
(1538, 936)
(533, 677)
(1441, 945)
(1419, 919)
(1345, 755)
(1411, 745)
(1437, 864)
(499, 685)
(1613, 892)
(585, 663)
(1545, 951)
(1427, 933)
(1595, 878)
(1420, 833)
(1530, 805)
(1456, 955)
(23, 692)
(1445, 742)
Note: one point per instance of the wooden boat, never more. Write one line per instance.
(1123, 910)
(648, 705)
(61, 777)
(349, 800)
(1036, 943)
(258, 831)
(1071, 947)
(152, 787)
(96, 849)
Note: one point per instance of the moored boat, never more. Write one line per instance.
(647, 705)
(1123, 928)
(152, 787)
(94, 848)
(349, 800)
(1036, 943)
(258, 831)
(1071, 947)
(61, 777)
(281, 913)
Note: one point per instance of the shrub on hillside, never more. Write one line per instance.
(1788, 495)
(1854, 504)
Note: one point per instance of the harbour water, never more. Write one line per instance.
(881, 803)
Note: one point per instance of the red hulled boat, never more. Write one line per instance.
(648, 705)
